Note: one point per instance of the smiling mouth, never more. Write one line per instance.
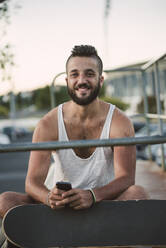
(83, 86)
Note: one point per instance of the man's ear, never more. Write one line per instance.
(66, 80)
(101, 80)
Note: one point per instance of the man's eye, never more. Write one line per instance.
(74, 75)
(90, 74)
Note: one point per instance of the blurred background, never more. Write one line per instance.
(36, 37)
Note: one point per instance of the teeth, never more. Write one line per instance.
(83, 87)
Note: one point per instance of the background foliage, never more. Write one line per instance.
(40, 100)
(6, 53)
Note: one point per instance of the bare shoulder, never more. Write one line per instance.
(121, 125)
(47, 128)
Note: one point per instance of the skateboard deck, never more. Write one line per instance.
(108, 223)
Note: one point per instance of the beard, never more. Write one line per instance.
(87, 100)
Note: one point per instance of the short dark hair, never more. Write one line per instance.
(86, 51)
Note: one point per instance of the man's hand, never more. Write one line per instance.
(54, 197)
(76, 199)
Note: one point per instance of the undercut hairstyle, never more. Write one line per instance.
(86, 51)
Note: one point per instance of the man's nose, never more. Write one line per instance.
(82, 79)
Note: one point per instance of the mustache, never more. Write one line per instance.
(83, 85)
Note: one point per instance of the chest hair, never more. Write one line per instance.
(84, 131)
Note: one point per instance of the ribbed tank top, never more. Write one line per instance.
(94, 171)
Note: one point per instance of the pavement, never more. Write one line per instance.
(152, 178)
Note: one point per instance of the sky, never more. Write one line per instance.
(43, 33)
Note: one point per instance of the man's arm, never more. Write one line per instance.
(39, 161)
(124, 160)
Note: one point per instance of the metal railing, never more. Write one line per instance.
(155, 66)
(154, 63)
(22, 147)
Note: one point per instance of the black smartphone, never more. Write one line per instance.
(64, 185)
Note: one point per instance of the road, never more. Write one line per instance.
(13, 168)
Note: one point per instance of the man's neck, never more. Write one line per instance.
(86, 111)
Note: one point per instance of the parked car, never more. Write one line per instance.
(138, 125)
(4, 139)
(11, 132)
(143, 131)
(154, 130)
(156, 152)
(22, 131)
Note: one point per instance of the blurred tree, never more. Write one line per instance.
(6, 54)
(116, 101)
(4, 112)
(4, 101)
(19, 101)
(4, 107)
(42, 98)
(61, 95)
(102, 91)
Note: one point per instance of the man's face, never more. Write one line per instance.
(83, 79)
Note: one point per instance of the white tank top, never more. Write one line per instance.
(94, 171)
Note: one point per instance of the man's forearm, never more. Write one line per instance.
(38, 192)
(112, 190)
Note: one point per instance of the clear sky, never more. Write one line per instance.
(43, 33)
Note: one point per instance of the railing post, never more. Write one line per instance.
(159, 112)
(146, 109)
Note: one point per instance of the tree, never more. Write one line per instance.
(42, 98)
(6, 54)
(116, 101)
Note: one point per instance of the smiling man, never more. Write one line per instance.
(96, 174)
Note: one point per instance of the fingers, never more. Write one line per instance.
(69, 200)
(75, 198)
(75, 204)
(55, 196)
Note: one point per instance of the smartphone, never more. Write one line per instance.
(64, 185)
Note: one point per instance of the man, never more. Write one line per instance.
(96, 174)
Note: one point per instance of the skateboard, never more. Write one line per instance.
(108, 223)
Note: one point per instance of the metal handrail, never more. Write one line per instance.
(22, 147)
(148, 115)
(156, 116)
(159, 116)
(122, 69)
(142, 68)
(153, 61)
